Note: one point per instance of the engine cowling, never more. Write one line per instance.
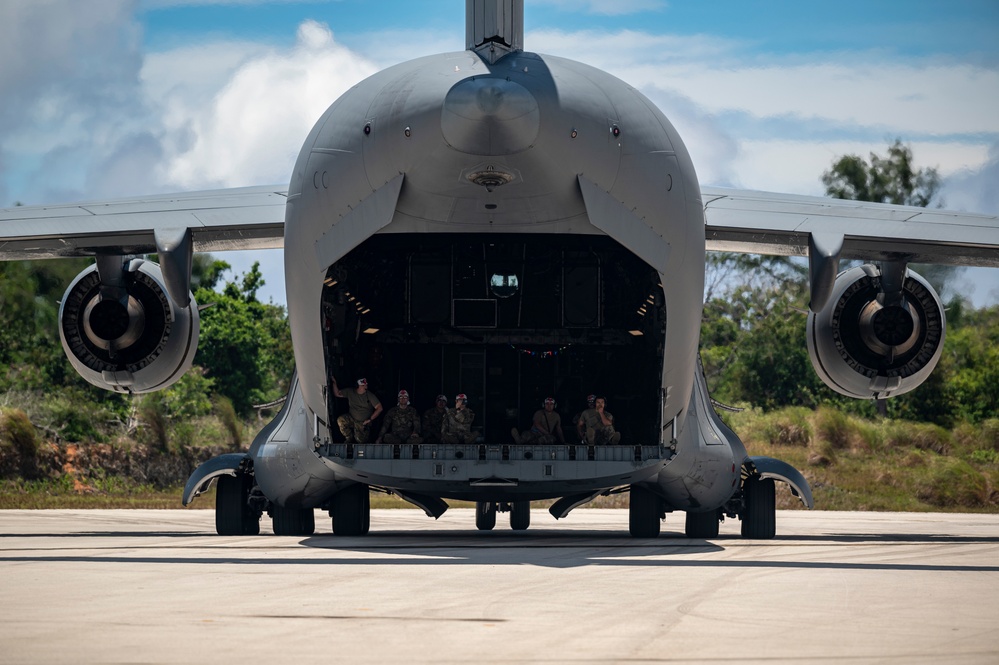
(131, 338)
(865, 346)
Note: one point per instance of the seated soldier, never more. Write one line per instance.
(546, 427)
(402, 423)
(597, 425)
(457, 426)
(433, 420)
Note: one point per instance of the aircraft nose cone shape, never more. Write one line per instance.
(490, 116)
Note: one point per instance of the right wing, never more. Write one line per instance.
(219, 220)
(769, 223)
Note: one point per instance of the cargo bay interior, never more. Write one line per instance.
(506, 319)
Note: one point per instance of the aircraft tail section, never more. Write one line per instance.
(494, 28)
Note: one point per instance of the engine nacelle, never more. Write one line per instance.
(864, 345)
(129, 337)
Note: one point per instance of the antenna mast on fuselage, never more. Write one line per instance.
(494, 28)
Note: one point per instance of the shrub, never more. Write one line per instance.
(17, 430)
(227, 414)
(788, 427)
(152, 413)
(955, 483)
(924, 436)
(835, 428)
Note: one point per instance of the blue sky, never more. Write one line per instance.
(123, 97)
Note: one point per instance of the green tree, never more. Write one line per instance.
(245, 345)
(888, 179)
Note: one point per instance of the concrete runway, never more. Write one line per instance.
(159, 586)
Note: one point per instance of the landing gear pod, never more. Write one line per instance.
(121, 330)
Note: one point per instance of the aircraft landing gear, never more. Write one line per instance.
(645, 513)
(759, 518)
(485, 515)
(520, 515)
(701, 525)
(233, 514)
(351, 511)
(293, 521)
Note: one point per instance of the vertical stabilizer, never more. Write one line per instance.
(494, 28)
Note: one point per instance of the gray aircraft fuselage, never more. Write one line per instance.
(532, 150)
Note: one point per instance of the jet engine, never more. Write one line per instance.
(122, 331)
(880, 334)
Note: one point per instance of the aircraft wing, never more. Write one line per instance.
(219, 220)
(767, 223)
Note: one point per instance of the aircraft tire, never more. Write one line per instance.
(701, 525)
(293, 521)
(520, 515)
(643, 513)
(485, 515)
(351, 511)
(233, 514)
(759, 521)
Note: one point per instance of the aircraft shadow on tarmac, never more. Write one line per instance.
(539, 547)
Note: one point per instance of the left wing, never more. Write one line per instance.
(768, 223)
(219, 220)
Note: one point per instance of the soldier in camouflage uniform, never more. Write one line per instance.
(362, 408)
(433, 420)
(598, 425)
(546, 427)
(591, 401)
(457, 427)
(401, 424)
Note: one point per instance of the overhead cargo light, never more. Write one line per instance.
(329, 281)
(370, 331)
(636, 333)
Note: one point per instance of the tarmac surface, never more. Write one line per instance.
(143, 586)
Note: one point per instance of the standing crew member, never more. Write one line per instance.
(362, 408)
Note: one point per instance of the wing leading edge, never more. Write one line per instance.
(735, 220)
(219, 220)
(767, 223)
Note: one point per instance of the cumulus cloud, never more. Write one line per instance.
(70, 87)
(252, 129)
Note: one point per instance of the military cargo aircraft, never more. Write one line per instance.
(509, 226)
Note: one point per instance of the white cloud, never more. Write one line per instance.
(252, 129)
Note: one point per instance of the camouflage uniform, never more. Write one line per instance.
(545, 434)
(360, 408)
(399, 426)
(433, 420)
(598, 433)
(457, 426)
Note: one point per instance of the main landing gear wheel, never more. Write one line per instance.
(351, 511)
(644, 513)
(485, 515)
(520, 515)
(759, 520)
(293, 521)
(233, 514)
(701, 525)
